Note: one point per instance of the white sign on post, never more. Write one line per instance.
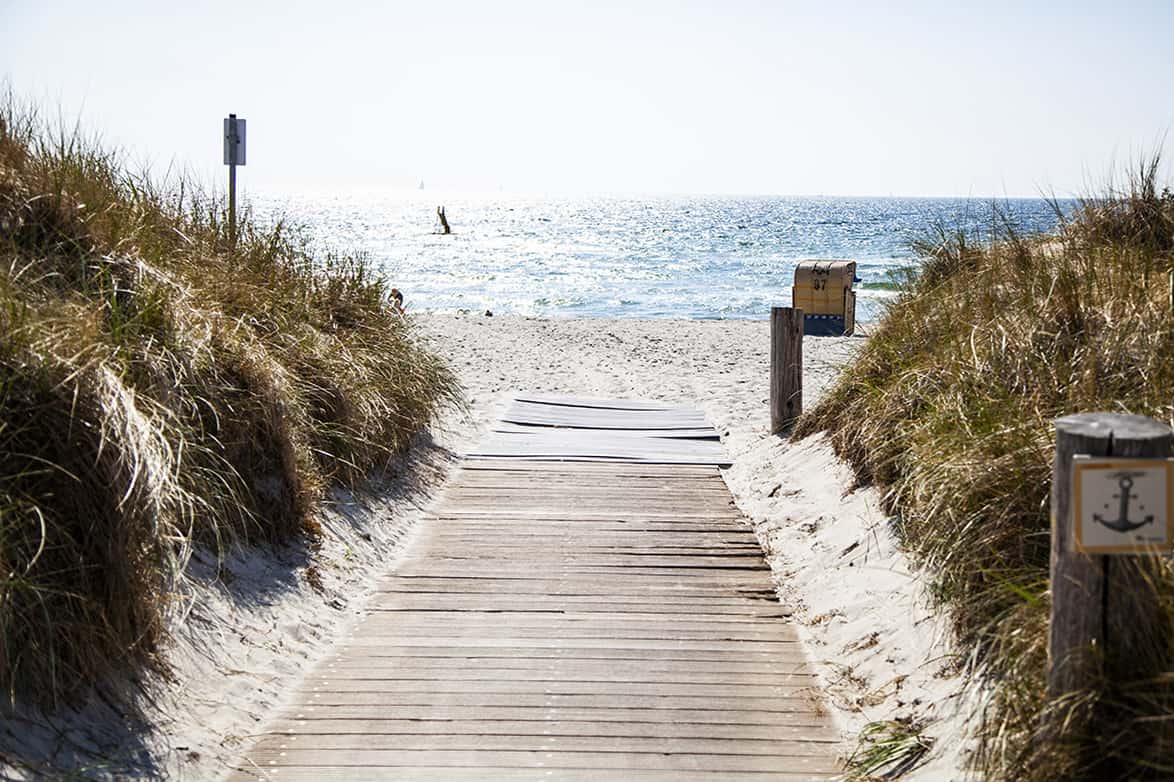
(234, 141)
(1122, 506)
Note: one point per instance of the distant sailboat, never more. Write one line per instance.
(421, 184)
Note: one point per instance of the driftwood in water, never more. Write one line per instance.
(444, 229)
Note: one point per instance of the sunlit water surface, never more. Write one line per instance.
(656, 257)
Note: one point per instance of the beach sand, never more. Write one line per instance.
(881, 651)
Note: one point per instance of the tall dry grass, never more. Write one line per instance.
(160, 389)
(949, 409)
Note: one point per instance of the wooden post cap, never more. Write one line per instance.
(1116, 426)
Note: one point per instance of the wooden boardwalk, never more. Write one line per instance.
(565, 620)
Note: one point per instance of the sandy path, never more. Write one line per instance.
(882, 653)
(565, 620)
(250, 637)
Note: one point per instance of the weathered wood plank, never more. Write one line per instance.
(633, 470)
(566, 400)
(502, 774)
(699, 433)
(725, 516)
(546, 759)
(617, 670)
(356, 650)
(565, 673)
(630, 729)
(694, 613)
(584, 619)
(554, 624)
(531, 414)
(617, 714)
(555, 588)
(308, 704)
(537, 742)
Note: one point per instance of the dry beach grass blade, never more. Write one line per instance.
(949, 409)
(160, 389)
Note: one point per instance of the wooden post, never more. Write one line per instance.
(1105, 610)
(232, 181)
(232, 204)
(786, 367)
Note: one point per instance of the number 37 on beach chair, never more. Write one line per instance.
(823, 290)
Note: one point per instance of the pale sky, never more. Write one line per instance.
(840, 98)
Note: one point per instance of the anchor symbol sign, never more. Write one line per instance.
(1124, 495)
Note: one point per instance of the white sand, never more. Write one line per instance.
(879, 649)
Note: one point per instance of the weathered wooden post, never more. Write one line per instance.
(1110, 515)
(786, 366)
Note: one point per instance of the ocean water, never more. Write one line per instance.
(659, 257)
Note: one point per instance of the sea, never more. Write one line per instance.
(692, 257)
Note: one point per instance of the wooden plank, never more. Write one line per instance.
(524, 650)
(454, 546)
(461, 604)
(549, 759)
(457, 727)
(617, 469)
(546, 585)
(530, 414)
(618, 668)
(614, 620)
(630, 645)
(620, 558)
(586, 412)
(676, 543)
(699, 433)
(717, 515)
(622, 447)
(577, 671)
(618, 714)
(597, 577)
(407, 600)
(309, 702)
(625, 498)
(563, 625)
(454, 633)
(596, 402)
(546, 521)
(486, 773)
(580, 446)
(570, 685)
(539, 742)
(552, 499)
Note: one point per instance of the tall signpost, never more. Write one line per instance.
(234, 155)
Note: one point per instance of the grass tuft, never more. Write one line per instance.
(888, 749)
(161, 389)
(949, 409)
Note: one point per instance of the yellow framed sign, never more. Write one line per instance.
(1122, 506)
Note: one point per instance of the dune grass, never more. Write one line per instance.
(162, 389)
(949, 410)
